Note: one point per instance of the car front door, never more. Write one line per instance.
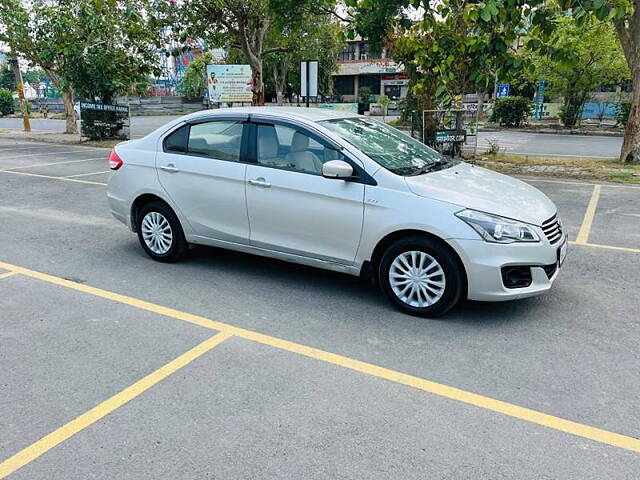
(199, 166)
(292, 207)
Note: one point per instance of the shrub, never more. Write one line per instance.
(511, 111)
(6, 103)
(622, 112)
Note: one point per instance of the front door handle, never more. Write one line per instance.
(260, 182)
(171, 168)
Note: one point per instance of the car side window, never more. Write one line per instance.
(177, 141)
(218, 139)
(291, 149)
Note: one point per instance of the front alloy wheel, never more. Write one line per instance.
(421, 276)
(417, 279)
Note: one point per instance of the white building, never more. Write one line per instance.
(359, 68)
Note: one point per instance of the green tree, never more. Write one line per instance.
(309, 37)
(7, 79)
(241, 25)
(97, 47)
(6, 102)
(581, 57)
(451, 47)
(194, 80)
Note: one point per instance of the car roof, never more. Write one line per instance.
(313, 114)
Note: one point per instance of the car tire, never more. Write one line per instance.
(421, 276)
(160, 232)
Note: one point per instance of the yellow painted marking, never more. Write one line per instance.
(608, 247)
(7, 274)
(585, 229)
(86, 174)
(54, 163)
(470, 398)
(58, 436)
(77, 180)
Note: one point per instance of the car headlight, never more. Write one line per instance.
(498, 229)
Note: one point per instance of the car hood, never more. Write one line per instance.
(480, 189)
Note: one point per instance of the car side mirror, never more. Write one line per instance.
(337, 169)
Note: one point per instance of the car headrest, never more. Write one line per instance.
(299, 142)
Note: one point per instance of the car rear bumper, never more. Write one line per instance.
(483, 262)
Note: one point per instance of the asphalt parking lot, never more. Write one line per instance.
(227, 365)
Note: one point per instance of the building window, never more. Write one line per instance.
(371, 81)
(343, 84)
(349, 53)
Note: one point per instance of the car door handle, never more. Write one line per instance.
(171, 168)
(260, 182)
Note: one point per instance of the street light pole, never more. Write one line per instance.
(20, 86)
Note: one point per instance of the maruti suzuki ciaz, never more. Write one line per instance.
(338, 191)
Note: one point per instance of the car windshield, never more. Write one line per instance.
(387, 146)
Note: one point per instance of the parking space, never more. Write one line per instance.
(316, 376)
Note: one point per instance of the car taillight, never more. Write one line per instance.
(115, 162)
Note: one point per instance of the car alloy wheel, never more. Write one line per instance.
(417, 279)
(156, 232)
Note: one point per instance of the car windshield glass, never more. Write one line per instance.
(387, 146)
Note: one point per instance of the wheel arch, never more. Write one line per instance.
(370, 267)
(142, 200)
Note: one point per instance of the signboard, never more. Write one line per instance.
(311, 69)
(503, 90)
(229, 83)
(342, 107)
(450, 136)
(100, 121)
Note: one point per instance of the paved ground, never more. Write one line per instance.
(522, 143)
(233, 366)
(549, 144)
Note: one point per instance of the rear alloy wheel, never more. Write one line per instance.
(160, 233)
(420, 276)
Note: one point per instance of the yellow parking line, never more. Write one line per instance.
(58, 436)
(53, 178)
(608, 247)
(459, 395)
(585, 229)
(7, 274)
(86, 174)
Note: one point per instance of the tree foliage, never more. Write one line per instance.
(450, 47)
(97, 47)
(6, 102)
(511, 111)
(194, 81)
(581, 57)
(246, 26)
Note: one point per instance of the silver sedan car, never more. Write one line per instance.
(342, 192)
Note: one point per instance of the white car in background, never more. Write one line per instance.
(338, 191)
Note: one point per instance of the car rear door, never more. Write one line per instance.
(199, 165)
(292, 207)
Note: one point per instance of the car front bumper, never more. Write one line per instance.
(483, 263)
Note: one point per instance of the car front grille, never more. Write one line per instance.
(552, 229)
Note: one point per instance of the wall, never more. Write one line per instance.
(139, 105)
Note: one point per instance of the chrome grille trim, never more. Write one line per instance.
(552, 229)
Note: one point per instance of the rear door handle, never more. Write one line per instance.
(260, 182)
(171, 168)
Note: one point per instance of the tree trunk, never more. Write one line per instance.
(631, 146)
(258, 85)
(67, 97)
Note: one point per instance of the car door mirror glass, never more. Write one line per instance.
(337, 169)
